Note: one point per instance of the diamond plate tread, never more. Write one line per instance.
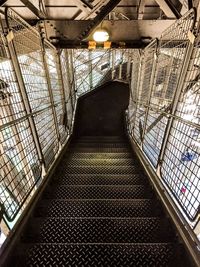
(102, 138)
(101, 162)
(99, 169)
(99, 179)
(97, 230)
(98, 155)
(98, 255)
(100, 149)
(99, 145)
(99, 208)
(98, 192)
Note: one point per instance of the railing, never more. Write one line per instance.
(96, 67)
(37, 104)
(39, 86)
(163, 117)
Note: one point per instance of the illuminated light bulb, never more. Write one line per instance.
(101, 36)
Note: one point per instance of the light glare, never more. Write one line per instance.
(101, 36)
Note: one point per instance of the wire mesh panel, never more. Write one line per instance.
(91, 68)
(181, 162)
(67, 88)
(94, 68)
(171, 54)
(135, 77)
(56, 88)
(144, 89)
(20, 169)
(27, 44)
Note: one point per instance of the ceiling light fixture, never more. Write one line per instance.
(101, 35)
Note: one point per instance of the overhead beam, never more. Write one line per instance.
(120, 30)
(99, 18)
(33, 9)
(82, 45)
(169, 9)
(86, 3)
(2, 2)
(141, 9)
(84, 6)
(190, 4)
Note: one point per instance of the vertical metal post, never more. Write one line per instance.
(62, 88)
(113, 63)
(70, 78)
(48, 80)
(137, 89)
(25, 100)
(174, 105)
(120, 71)
(90, 70)
(73, 80)
(128, 68)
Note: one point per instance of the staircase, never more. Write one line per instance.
(99, 210)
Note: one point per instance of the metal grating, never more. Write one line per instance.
(27, 43)
(169, 131)
(20, 166)
(171, 54)
(94, 68)
(144, 89)
(180, 168)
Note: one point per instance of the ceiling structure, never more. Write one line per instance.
(70, 23)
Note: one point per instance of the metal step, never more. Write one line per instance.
(101, 138)
(99, 145)
(99, 208)
(97, 230)
(93, 155)
(107, 170)
(90, 255)
(99, 179)
(98, 192)
(101, 162)
(100, 149)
